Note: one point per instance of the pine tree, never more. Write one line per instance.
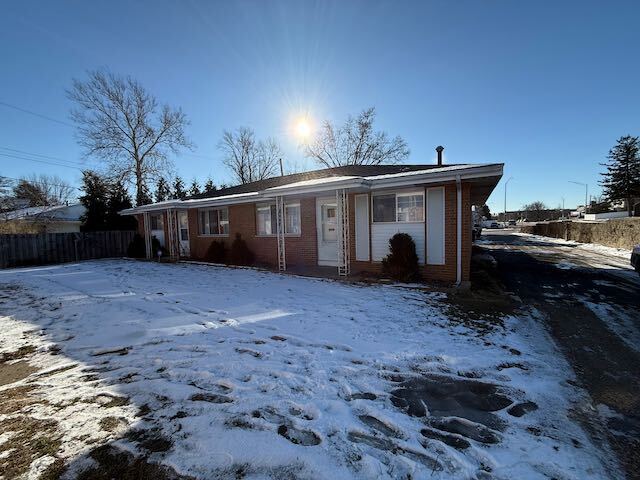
(622, 178)
(209, 186)
(119, 199)
(195, 187)
(163, 191)
(96, 191)
(178, 189)
(143, 195)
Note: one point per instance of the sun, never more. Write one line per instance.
(303, 129)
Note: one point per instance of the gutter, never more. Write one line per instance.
(459, 231)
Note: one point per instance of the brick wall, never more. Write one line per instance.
(299, 250)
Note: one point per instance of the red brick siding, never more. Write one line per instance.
(299, 250)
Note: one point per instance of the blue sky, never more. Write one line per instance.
(545, 87)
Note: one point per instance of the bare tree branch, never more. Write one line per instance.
(119, 122)
(249, 160)
(356, 143)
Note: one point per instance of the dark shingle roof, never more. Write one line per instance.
(345, 171)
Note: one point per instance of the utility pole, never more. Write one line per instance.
(505, 197)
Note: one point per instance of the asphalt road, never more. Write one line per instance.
(590, 302)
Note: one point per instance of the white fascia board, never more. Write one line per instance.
(439, 176)
(221, 201)
(152, 207)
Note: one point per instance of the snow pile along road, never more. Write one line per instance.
(241, 373)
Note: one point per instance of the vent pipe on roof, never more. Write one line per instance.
(439, 149)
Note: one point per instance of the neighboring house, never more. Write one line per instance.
(49, 219)
(341, 217)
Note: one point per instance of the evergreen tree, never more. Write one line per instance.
(95, 199)
(179, 191)
(195, 188)
(209, 186)
(118, 200)
(622, 178)
(485, 212)
(163, 191)
(144, 195)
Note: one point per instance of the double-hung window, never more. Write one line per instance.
(398, 207)
(156, 221)
(266, 219)
(214, 221)
(292, 219)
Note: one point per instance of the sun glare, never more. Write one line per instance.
(303, 128)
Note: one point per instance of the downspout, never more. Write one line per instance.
(459, 232)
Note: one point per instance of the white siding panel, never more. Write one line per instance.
(382, 232)
(435, 226)
(362, 228)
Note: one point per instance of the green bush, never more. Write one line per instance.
(402, 262)
(216, 253)
(136, 248)
(240, 253)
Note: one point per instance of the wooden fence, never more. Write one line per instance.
(19, 250)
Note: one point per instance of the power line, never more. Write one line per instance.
(24, 110)
(41, 155)
(54, 184)
(39, 161)
(30, 112)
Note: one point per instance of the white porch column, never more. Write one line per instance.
(280, 228)
(344, 250)
(147, 235)
(172, 229)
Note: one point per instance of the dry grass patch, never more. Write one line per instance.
(31, 439)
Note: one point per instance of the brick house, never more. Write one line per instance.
(339, 217)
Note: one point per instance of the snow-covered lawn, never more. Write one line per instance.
(251, 374)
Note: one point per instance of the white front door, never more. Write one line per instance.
(327, 226)
(183, 233)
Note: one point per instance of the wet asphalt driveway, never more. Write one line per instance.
(590, 302)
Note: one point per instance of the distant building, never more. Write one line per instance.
(49, 219)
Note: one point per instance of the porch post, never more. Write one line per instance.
(280, 227)
(173, 234)
(147, 235)
(344, 260)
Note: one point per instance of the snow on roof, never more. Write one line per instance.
(74, 211)
(444, 169)
(311, 183)
(267, 191)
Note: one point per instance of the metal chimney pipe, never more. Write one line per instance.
(439, 149)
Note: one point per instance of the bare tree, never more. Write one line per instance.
(535, 211)
(43, 190)
(121, 122)
(355, 143)
(249, 159)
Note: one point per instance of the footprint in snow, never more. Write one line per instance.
(211, 398)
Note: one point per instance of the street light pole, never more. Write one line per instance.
(505, 198)
(586, 192)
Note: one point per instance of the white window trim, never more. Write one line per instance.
(399, 194)
(200, 226)
(160, 222)
(273, 235)
(444, 228)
